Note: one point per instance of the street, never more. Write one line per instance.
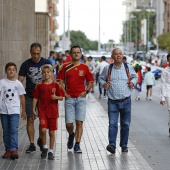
(149, 128)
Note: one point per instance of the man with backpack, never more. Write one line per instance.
(118, 78)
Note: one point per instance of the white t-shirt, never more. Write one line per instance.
(10, 92)
(101, 66)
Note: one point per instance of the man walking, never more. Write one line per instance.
(99, 69)
(74, 74)
(165, 88)
(31, 69)
(118, 79)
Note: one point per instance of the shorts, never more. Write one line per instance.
(148, 87)
(28, 106)
(48, 123)
(75, 109)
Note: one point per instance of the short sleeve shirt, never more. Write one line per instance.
(47, 106)
(75, 77)
(10, 92)
(32, 72)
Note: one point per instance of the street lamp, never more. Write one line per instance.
(149, 6)
(99, 46)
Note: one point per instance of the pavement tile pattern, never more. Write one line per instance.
(93, 145)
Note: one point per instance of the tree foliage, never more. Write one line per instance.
(132, 27)
(79, 38)
(164, 41)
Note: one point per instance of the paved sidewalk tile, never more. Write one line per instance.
(93, 145)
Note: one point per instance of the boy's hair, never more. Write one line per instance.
(10, 64)
(149, 69)
(47, 66)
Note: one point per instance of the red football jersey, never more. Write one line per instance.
(74, 77)
(46, 105)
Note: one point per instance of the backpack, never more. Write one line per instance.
(110, 70)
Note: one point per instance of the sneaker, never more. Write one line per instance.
(31, 149)
(14, 155)
(100, 96)
(104, 97)
(6, 154)
(111, 149)
(70, 141)
(77, 148)
(137, 98)
(50, 156)
(44, 153)
(124, 149)
(150, 98)
(39, 143)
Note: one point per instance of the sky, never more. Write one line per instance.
(84, 16)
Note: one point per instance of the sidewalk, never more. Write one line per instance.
(93, 145)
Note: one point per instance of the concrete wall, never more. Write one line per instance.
(16, 32)
(42, 32)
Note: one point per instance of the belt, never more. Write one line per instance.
(120, 100)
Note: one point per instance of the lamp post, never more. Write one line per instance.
(99, 46)
(149, 6)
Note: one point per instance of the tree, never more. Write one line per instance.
(164, 41)
(132, 27)
(79, 38)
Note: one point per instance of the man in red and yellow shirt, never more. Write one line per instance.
(74, 75)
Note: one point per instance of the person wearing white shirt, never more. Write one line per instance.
(165, 88)
(149, 81)
(99, 69)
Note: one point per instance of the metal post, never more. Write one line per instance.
(68, 19)
(99, 30)
(148, 49)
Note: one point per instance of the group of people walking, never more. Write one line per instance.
(73, 82)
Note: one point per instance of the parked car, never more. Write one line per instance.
(157, 71)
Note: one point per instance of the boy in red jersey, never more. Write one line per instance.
(47, 93)
(74, 74)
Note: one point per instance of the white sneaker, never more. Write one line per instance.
(100, 96)
(104, 97)
(150, 98)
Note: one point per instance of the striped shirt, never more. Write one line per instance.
(119, 88)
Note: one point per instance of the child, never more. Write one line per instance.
(47, 93)
(11, 97)
(138, 87)
(149, 81)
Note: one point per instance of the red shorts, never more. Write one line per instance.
(48, 123)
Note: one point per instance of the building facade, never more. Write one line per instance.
(16, 34)
(158, 6)
(166, 16)
(46, 24)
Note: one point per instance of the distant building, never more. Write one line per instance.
(158, 6)
(46, 24)
(166, 16)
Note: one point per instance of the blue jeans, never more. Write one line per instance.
(114, 108)
(10, 131)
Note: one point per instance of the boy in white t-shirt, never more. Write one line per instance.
(11, 98)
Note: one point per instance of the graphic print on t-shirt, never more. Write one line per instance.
(35, 75)
(9, 94)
